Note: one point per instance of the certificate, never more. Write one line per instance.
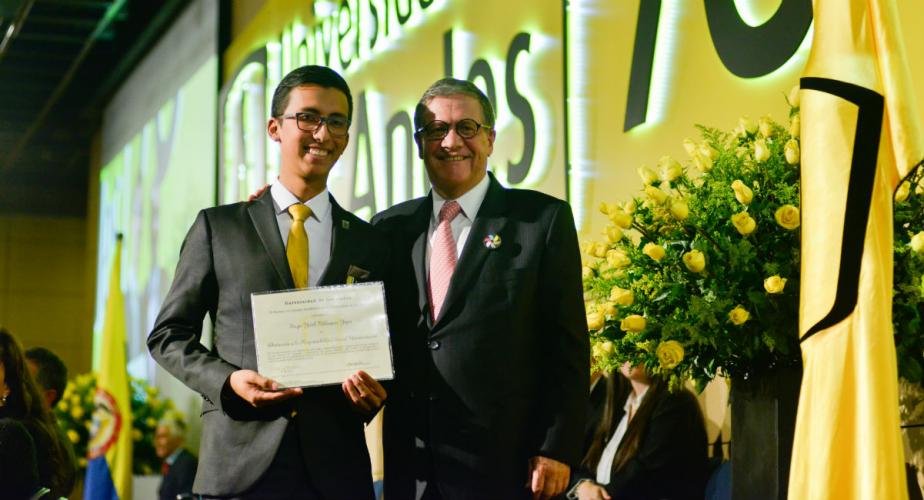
(321, 336)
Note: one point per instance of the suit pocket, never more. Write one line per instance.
(207, 407)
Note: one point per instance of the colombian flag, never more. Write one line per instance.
(860, 137)
(109, 469)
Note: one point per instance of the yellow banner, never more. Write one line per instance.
(860, 135)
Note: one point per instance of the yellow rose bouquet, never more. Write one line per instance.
(699, 273)
(74, 413)
(908, 277)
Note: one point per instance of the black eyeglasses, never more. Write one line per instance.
(437, 130)
(337, 125)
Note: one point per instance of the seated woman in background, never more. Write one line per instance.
(650, 443)
(18, 469)
(20, 400)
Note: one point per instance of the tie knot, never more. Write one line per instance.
(299, 212)
(450, 210)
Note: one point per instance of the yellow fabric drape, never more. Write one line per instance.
(847, 439)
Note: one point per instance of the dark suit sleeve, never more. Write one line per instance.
(174, 341)
(674, 446)
(186, 472)
(564, 341)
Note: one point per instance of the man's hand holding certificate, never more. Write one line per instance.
(323, 336)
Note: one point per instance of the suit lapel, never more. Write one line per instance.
(490, 220)
(343, 244)
(418, 230)
(263, 215)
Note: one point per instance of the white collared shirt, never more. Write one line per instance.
(173, 456)
(462, 225)
(318, 226)
(605, 465)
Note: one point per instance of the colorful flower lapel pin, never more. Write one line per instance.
(492, 241)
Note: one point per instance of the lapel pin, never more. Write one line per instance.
(345, 224)
(492, 241)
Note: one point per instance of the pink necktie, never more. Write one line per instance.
(443, 257)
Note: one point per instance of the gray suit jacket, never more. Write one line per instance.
(503, 373)
(230, 252)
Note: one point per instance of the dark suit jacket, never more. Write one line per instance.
(230, 252)
(179, 477)
(502, 374)
(671, 462)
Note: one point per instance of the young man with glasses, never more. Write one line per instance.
(487, 321)
(260, 440)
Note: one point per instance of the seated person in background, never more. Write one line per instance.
(49, 373)
(598, 391)
(179, 465)
(17, 461)
(650, 443)
(21, 400)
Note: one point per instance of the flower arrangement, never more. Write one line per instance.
(699, 274)
(75, 415)
(908, 277)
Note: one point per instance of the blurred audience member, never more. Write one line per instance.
(21, 400)
(18, 469)
(650, 443)
(49, 373)
(597, 402)
(179, 465)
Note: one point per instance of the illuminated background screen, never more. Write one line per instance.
(158, 171)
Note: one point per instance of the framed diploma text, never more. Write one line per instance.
(321, 336)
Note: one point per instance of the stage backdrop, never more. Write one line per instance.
(390, 52)
(158, 170)
(586, 91)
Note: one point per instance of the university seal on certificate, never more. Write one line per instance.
(321, 336)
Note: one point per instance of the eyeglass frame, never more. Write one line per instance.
(322, 120)
(420, 133)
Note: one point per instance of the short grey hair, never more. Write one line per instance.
(446, 87)
(174, 426)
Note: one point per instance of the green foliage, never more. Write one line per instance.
(689, 208)
(75, 415)
(908, 277)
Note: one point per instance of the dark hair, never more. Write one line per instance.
(51, 373)
(25, 404)
(17, 460)
(617, 390)
(321, 76)
(449, 87)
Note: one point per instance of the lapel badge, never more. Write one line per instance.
(345, 224)
(356, 273)
(492, 241)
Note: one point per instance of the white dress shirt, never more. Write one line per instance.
(605, 465)
(318, 226)
(462, 225)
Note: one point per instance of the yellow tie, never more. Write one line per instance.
(297, 251)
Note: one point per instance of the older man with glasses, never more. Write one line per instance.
(487, 321)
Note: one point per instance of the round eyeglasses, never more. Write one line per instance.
(436, 130)
(337, 125)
